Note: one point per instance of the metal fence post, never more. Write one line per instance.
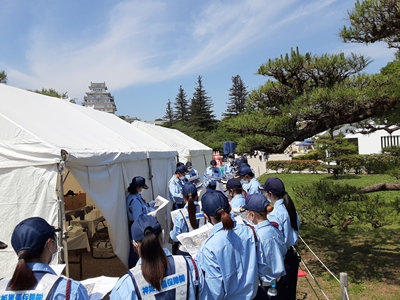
(343, 286)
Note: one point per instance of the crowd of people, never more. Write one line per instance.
(249, 254)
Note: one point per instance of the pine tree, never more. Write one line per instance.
(3, 77)
(169, 114)
(237, 97)
(201, 114)
(181, 106)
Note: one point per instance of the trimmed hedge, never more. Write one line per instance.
(293, 165)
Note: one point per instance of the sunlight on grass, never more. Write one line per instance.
(370, 257)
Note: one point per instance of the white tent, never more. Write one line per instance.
(102, 157)
(188, 148)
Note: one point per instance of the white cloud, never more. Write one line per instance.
(143, 42)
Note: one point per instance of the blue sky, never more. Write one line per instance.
(144, 50)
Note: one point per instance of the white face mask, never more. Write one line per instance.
(181, 177)
(244, 181)
(248, 219)
(230, 159)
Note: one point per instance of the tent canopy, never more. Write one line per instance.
(104, 154)
(188, 148)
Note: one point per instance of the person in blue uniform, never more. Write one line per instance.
(158, 274)
(288, 221)
(230, 167)
(188, 218)
(175, 185)
(271, 246)
(136, 207)
(212, 173)
(249, 182)
(192, 176)
(236, 197)
(228, 257)
(35, 243)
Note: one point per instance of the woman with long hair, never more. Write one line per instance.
(35, 243)
(158, 273)
(188, 218)
(285, 216)
(228, 257)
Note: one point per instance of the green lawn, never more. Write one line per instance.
(370, 257)
(295, 179)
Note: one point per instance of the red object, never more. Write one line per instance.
(301, 273)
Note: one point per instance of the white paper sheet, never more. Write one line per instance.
(98, 287)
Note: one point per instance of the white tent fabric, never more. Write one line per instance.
(188, 148)
(102, 157)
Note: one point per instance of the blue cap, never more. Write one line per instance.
(233, 183)
(244, 159)
(139, 181)
(238, 162)
(189, 188)
(256, 202)
(244, 170)
(32, 234)
(212, 201)
(188, 164)
(274, 185)
(181, 169)
(143, 225)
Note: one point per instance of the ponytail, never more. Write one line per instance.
(192, 211)
(227, 222)
(23, 277)
(291, 209)
(269, 208)
(154, 260)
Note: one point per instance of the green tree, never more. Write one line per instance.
(169, 114)
(52, 93)
(373, 21)
(237, 97)
(3, 77)
(201, 113)
(339, 205)
(335, 151)
(181, 106)
(308, 95)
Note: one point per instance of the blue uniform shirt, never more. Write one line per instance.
(229, 169)
(271, 251)
(238, 201)
(228, 259)
(124, 288)
(136, 206)
(180, 225)
(78, 291)
(175, 190)
(216, 172)
(280, 215)
(194, 175)
(252, 187)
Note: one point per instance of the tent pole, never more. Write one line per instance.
(61, 219)
(151, 178)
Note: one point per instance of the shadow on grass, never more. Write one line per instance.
(341, 177)
(365, 255)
